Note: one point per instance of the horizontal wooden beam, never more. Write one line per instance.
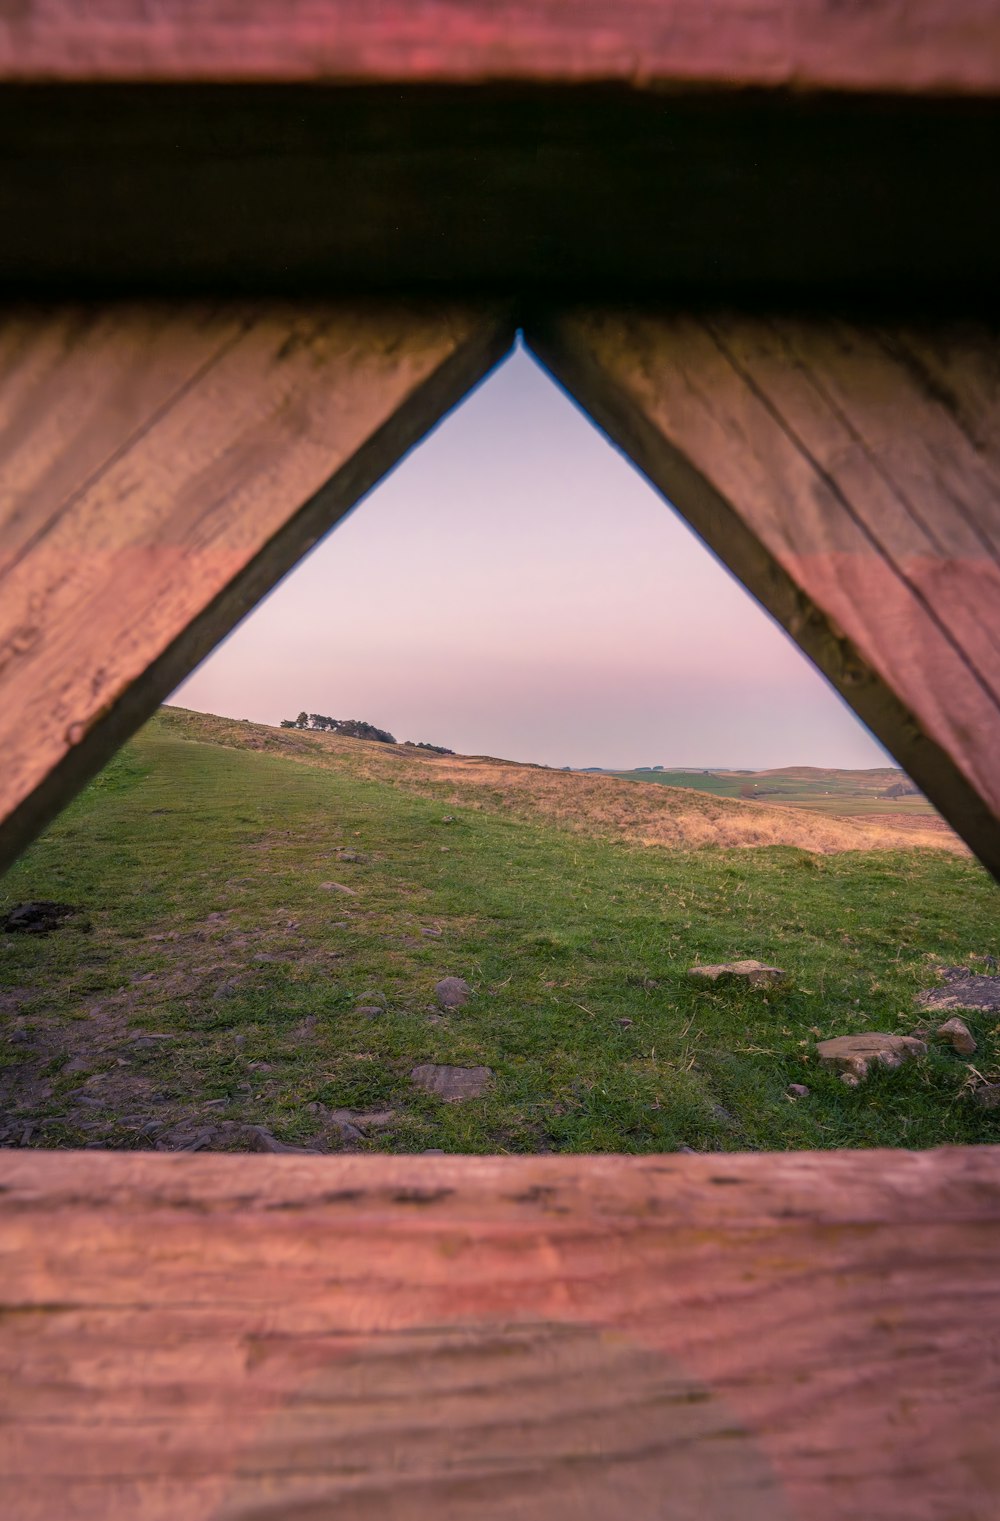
(803, 44)
(161, 469)
(850, 476)
(774, 198)
(761, 1337)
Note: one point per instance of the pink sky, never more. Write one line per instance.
(516, 588)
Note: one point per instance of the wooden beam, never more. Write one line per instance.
(709, 1338)
(802, 44)
(772, 197)
(162, 468)
(849, 476)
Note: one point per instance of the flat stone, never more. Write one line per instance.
(451, 1083)
(369, 1010)
(964, 993)
(852, 1055)
(452, 992)
(754, 974)
(958, 1033)
(987, 1095)
(338, 887)
(797, 1090)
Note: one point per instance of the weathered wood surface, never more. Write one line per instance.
(818, 44)
(850, 477)
(160, 470)
(730, 1338)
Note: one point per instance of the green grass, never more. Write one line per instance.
(188, 860)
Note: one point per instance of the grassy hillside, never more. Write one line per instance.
(245, 893)
(842, 793)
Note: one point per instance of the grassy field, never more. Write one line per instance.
(245, 892)
(842, 793)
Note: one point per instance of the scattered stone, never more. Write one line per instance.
(432, 1151)
(436, 1019)
(349, 855)
(852, 1055)
(797, 1090)
(265, 956)
(40, 917)
(430, 932)
(78, 1064)
(451, 1083)
(957, 1031)
(338, 887)
(452, 992)
(851, 1079)
(963, 992)
(720, 1113)
(260, 1139)
(449, 818)
(754, 974)
(369, 1010)
(686, 1151)
(231, 988)
(626, 1024)
(987, 1095)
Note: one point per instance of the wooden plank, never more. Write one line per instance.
(161, 471)
(709, 1338)
(855, 506)
(774, 197)
(803, 44)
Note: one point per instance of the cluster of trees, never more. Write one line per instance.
(355, 728)
(421, 744)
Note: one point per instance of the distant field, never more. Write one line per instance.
(844, 794)
(245, 894)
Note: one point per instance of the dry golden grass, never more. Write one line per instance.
(647, 813)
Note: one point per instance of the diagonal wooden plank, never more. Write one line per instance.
(752, 1337)
(814, 510)
(186, 461)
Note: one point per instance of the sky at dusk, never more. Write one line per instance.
(516, 588)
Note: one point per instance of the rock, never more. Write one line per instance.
(987, 1095)
(957, 1031)
(797, 1090)
(369, 1010)
(259, 1139)
(626, 1024)
(451, 1083)
(964, 993)
(686, 1151)
(853, 1054)
(452, 992)
(338, 887)
(851, 1079)
(753, 974)
(349, 855)
(430, 932)
(39, 917)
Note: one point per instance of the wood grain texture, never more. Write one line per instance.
(710, 1338)
(817, 44)
(852, 497)
(160, 470)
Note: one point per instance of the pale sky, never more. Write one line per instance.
(516, 588)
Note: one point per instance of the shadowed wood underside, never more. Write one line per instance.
(850, 476)
(755, 1338)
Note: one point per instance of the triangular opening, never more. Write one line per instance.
(269, 919)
